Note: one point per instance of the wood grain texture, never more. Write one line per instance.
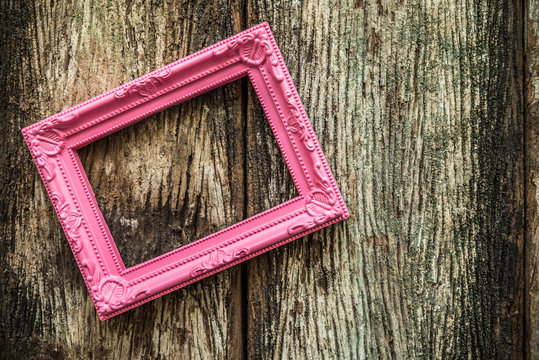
(159, 183)
(420, 108)
(532, 167)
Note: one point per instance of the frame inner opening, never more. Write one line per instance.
(187, 172)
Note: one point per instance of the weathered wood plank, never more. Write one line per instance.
(160, 183)
(418, 106)
(532, 177)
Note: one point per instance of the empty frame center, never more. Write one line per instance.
(185, 172)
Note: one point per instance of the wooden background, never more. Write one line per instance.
(428, 112)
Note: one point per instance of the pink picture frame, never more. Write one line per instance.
(53, 143)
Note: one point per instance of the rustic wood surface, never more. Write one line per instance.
(428, 113)
(532, 165)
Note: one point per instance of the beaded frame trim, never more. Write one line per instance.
(53, 143)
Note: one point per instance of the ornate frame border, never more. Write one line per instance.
(53, 143)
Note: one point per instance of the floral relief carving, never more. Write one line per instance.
(320, 204)
(295, 124)
(145, 87)
(70, 219)
(110, 293)
(65, 121)
(253, 48)
(48, 141)
(218, 258)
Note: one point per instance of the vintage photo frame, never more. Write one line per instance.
(53, 143)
